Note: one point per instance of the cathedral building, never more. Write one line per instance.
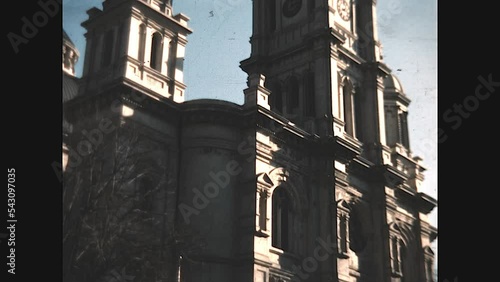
(312, 178)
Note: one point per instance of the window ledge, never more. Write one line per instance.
(283, 253)
(262, 233)
(343, 255)
(397, 274)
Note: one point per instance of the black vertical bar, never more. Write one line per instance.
(31, 100)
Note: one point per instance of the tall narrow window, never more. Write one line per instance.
(404, 138)
(94, 62)
(340, 104)
(272, 15)
(263, 211)
(276, 97)
(282, 218)
(292, 95)
(395, 255)
(348, 109)
(357, 240)
(156, 51)
(428, 270)
(67, 57)
(142, 43)
(343, 232)
(358, 114)
(120, 39)
(309, 95)
(107, 48)
(403, 263)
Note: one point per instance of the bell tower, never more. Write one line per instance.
(317, 66)
(140, 43)
(323, 67)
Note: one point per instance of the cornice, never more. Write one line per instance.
(425, 202)
(382, 69)
(346, 149)
(216, 112)
(351, 56)
(281, 123)
(120, 91)
(387, 174)
(136, 8)
(163, 16)
(341, 178)
(396, 96)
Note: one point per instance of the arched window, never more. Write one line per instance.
(142, 43)
(107, 48)
(292, 95)
(402, 250)
(156, 51)
(282, 219)
(309, 95)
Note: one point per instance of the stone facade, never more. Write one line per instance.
(311, 179)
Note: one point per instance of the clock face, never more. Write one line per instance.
(344, 9)
(291, 7)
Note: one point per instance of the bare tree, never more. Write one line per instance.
(114, 217)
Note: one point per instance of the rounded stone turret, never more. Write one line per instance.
(70, 55)
(392, 84)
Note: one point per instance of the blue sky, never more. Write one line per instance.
(222, 28)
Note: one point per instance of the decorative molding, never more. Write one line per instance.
(264, 180)
(427, 250)
(425, 203)
(403, 230)
(346, 148)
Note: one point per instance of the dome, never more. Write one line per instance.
(70, 82)
(69, 92)
(70, 55)
(67, 40)
(392, 83)
(69, 87)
